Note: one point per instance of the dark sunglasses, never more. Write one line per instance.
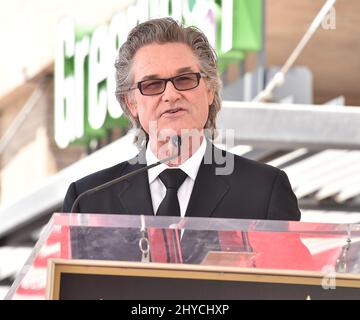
(182, 82)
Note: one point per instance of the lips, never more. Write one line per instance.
(173, 111)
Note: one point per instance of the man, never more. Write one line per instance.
(167, 83)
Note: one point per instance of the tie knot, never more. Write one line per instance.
(172, 178)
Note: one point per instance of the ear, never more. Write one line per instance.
(131, 104)
(210, 96)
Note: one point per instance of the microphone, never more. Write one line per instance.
(176, 141)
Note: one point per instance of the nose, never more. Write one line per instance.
(171, 93)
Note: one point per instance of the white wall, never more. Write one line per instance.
(28, 29)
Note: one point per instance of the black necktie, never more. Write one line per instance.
(172, 179)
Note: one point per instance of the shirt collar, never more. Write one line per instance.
(190, 166)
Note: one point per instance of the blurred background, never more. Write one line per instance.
(59, 120)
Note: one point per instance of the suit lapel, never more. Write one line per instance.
(209, 188)
(134, 194)
(208, 191)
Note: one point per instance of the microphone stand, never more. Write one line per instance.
(176, 142)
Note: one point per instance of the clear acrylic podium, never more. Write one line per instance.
(270, 259)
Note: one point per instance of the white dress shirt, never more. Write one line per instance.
(190, 167)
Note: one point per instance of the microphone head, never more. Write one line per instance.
(176, 141)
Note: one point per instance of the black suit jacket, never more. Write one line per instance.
(252, 191)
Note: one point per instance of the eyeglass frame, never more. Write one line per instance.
(199, 75)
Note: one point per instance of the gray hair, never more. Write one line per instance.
(162, 31)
